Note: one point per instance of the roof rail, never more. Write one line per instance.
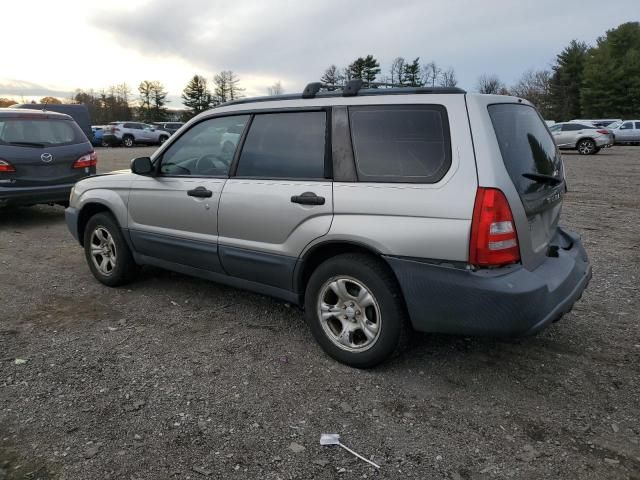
(351, 89)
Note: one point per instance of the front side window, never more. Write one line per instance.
(285, 145)
(206, 149)
(401, 143)
(626, 126)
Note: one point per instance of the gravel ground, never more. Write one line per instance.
(174, 377)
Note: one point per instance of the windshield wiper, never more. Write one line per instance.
(542, 178)
(26, 144)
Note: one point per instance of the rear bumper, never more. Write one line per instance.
(34, 195)
(604, 141)
(508, 301)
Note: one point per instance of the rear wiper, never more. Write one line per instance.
(26, 144)
(542, 178)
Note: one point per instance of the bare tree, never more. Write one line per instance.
(534, 85)
(431, 73)
(490, 84)
(397, 69)
(276, 89)
(332, 77)
(227, 87)
(448, 78)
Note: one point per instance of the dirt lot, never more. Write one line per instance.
(174, 377)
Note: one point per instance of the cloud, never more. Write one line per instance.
(295, 41)
(18, 88)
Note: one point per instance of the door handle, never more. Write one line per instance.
(307, 198)
(200, 192)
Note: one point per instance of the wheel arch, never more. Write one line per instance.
(318, 253)
(584, 138)
(87, 211)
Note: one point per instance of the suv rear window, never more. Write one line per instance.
(525, 144)
(401, 143)
(46, 131)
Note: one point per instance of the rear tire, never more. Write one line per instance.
(128, 141)
(107, 252)
(586, 146)
(355, 310)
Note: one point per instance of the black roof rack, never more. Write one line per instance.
(351, 89)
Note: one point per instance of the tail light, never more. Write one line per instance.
(6, 167)
(604, 132)
(494, 240)
(88, 160)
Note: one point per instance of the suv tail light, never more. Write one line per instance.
(6, 166)
(604, 132)
(88, 160)
(494, 240)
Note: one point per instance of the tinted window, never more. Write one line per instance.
(47, 132)
(573, 127)
(555, 128)
(400, 143)
(626, 126)
(206, 149)
(525, 144)
(285, 145)
(637, 125)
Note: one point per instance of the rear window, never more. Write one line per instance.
(47, 132)
(525, 144)
(400, 143)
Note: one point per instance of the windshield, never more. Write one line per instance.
(35, 132)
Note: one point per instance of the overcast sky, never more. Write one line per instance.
(52, 48)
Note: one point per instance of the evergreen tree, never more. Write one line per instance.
(611, 83)
(196, 96)
(411, 76)
(565, 83)
(366, 69)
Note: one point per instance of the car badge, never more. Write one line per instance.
(46, 157)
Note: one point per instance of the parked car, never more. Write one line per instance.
(587, 139)
(97, 139)
(78, 111)
(597, 122)
(170, 127)
(130, 133)
(627, 132)
(42, 154)
(378, 211)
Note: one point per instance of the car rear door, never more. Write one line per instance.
(43, 150)
(279, 198)
(173, 214)
(536, 171)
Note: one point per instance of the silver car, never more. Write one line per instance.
(587, 139)
(627, 132)
(376, 211)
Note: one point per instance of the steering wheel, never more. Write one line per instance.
(210, 161)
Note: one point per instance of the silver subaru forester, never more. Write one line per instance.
(377, 211)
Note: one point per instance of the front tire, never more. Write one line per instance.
(355, 310)
(586, 147)
(107, 252)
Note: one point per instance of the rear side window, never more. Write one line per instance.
(47, 132)
(401, 143)
(285, 145)
(525, 144)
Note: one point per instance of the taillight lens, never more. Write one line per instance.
(494, 240)
(88, 160)
(604, 132)
(6, 166)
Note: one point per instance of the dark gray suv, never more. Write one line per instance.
(42, 155)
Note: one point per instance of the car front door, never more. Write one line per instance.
(173, 214)
(624, 133)
(568, 136)
(278, 200)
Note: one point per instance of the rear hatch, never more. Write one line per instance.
(535, 167)
(42, 149)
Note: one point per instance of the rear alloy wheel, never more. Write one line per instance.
(107, 252)
(355, 310)
(127, 141)
(586, 147)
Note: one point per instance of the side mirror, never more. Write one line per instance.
(142, 166)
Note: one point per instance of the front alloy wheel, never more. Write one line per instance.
(103, 251)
